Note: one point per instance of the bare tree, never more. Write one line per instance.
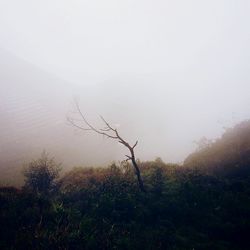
(111, 133)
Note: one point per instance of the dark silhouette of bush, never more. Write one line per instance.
(41, 175)
(185, 207)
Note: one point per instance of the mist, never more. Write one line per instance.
(124, 124)
(165, 73)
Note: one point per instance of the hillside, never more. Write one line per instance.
(231, 152)
(204, 204)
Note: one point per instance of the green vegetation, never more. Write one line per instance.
(40, 175)
(204, 204)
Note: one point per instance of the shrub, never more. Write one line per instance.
(41, 175)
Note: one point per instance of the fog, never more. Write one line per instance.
(164, 73)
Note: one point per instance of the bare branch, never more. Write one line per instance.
(129, 157)
(72, 122)
(135, 144)
(109, 132)
(90, 127)
(105, 129)
(108, 125)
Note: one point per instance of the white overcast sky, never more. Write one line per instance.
(196, 52)
(89, 40)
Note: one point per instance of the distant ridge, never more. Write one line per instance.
(32, 102)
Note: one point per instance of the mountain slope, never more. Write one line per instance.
(230, 153)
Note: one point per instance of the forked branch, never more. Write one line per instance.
(109, 132)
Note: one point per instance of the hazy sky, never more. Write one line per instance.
(87, 41)
(183, 65)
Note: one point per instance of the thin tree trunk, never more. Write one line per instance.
(138, 174)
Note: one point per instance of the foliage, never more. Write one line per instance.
(185, 207)
(232, 150)
(40, 175)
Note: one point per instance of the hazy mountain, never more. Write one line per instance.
(165, 116)
(33, 108)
